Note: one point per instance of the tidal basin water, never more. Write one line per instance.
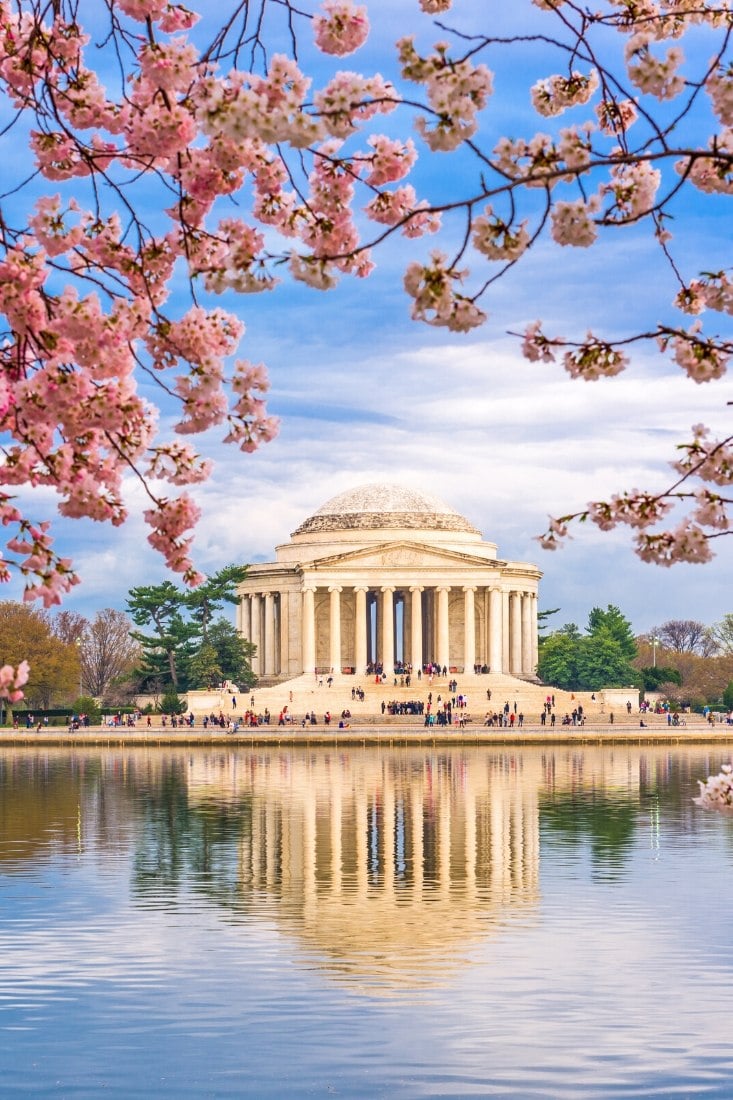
(364, 923)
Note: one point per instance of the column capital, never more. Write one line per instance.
(335, 588)
(443, 587)
(417, 588)
(388, 588)
(470, 587)
(360, 587)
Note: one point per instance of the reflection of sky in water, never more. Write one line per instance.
(195, 924)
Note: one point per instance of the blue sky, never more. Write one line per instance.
(365, 394)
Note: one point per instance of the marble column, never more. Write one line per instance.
(309, 630)
(258, 661)
(335, 630)
(516, 633)
(360, 631)
(469, 631)
(388, 630)
(527, 667)
(505, 653)
(416, 654)
(495, 647)
(443, 631)
(269, 633)
(535, 633)
(244, 618)
(283, 632)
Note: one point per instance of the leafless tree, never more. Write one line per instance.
(685, 636)
(722, 633)
(69, 626)
(107, 651)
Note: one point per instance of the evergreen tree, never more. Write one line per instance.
(612, 623)
(185, 646)
(220, 588)
(158, 607)
(588, 662)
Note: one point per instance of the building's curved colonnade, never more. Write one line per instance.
(384, 576)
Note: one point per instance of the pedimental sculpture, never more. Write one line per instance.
(383, 577)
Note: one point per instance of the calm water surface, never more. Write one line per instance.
(364, 923)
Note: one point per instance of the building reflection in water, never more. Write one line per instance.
(384, 862)
(389, 866)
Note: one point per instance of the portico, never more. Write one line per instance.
(385, 577)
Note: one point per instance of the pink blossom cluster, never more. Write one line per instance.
(435, 297)
(557, 531)
(537, 162)
(702, 360)
(708, 459)
(719, 87)
(402, 207)
(711, 169)
(685, 543)
(349, 100)
(594, 359)
(573, 222)
(456, 91)
(653, 75)
(12, 681)
(496, 240)
(556, 94)
(170, 521)
(716, 793)
(705, 460)
(711, 291)
(636, 508)
(633, 190)
(341, 27)
(616, 116)
(538, 348)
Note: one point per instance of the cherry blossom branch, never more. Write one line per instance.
(85, 297)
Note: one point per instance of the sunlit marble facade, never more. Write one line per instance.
(382, 575)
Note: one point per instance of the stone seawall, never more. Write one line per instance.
(388, 735)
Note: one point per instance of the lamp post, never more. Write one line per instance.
(655, 642)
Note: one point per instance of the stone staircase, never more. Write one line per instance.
(308, 694)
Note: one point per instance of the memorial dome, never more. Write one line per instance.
(380, 506)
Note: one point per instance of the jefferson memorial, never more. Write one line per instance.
(385, 577)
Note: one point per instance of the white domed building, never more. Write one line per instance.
(383, 576)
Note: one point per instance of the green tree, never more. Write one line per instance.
(26, 634)
(588, 662)
(613, 624)
(233, 653)
(653, 676)
(728, 696)
(558, 657)
(158, 607)
(171, 703)
(220, 588)
(182, 631)
(87, 704)
(204, 669)
(602, 662)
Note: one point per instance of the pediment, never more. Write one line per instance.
(401, 555)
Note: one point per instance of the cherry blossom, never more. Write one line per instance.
(716, 793)
(167, 168)
(341, 28)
